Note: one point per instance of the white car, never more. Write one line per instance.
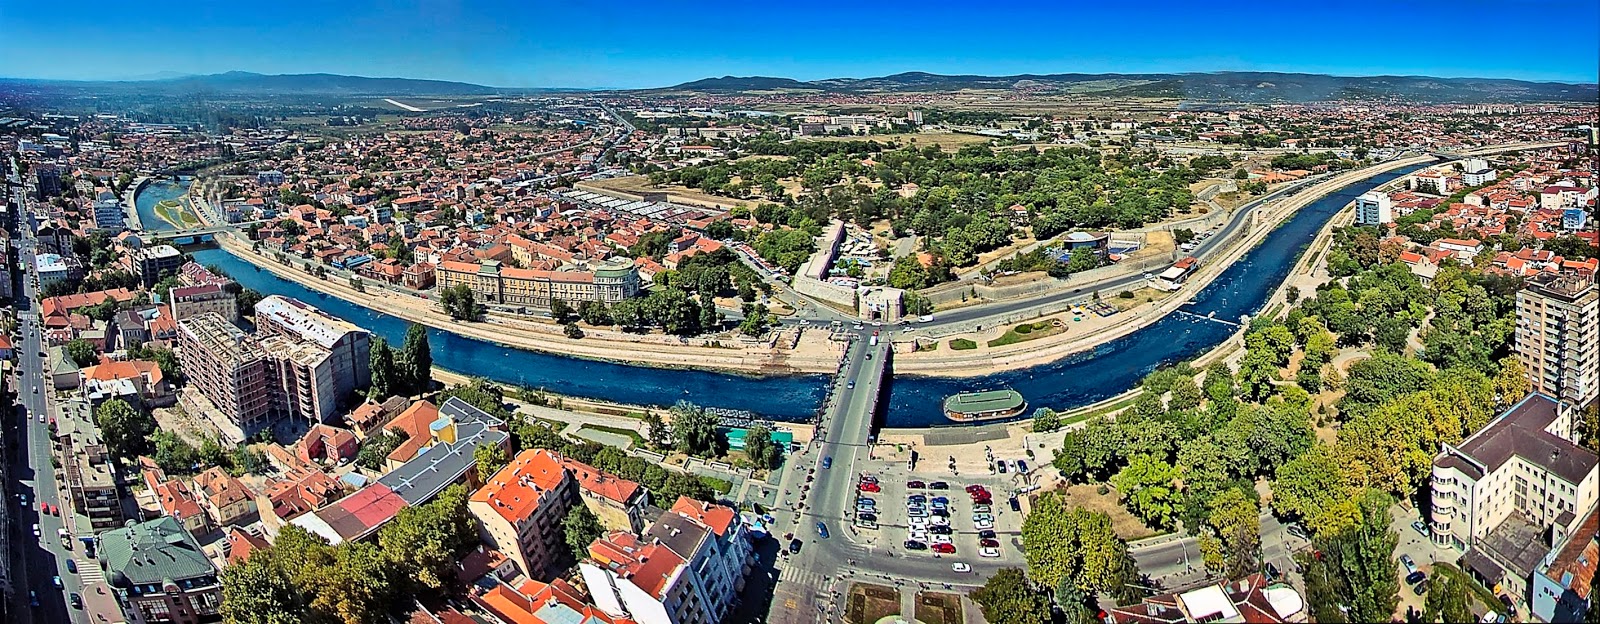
(917, 522)
(982, 517)
(960, 567)
(941, 539)
(989, 552)
(983, 526)
(939, 521)
(918, 535)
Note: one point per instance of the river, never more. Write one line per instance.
(914, 401)
(157, 191)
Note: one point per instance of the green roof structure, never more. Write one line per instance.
(154, 553)
(984, 405)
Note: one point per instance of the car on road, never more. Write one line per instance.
(57, 581)
(33, 598)
(1422, 528)
(822, 530)
(944, 549)
(36, 532)
(851, 385)
(938, 485)
(72, 565)
(794, 546)
(960, 567)
(827, 462)
(915, 485)
(989, 552)
(22, 499)
(41, 417)
(915, 545)
(76, 600)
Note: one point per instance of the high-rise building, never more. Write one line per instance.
(348, 345)
(154, 263)
(48, 176)
(229, 368)
(109, 215)
(1558, 336)
(1374, 208)
(687, 568)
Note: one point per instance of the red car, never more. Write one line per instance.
(870, 487)
(989, 543)
(944, 549)
(975, 488)
(982, 500)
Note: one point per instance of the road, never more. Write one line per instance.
(38, 559)
(1175, 564)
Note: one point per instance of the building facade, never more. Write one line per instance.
(348, 345)
(1558, 336)
(187, 301)
(1374, 208)
(492, 283)
(228, 368)
(153, 263)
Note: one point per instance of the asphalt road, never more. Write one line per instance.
(1176, 564)
(37, 560)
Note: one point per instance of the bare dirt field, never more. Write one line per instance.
(638, 185)
(1127, 527)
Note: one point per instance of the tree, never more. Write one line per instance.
(1074, 546)
(579, 529)
(571, 330)
(424, 542)
(1355, 578)
(460, 303)
(124, 429)
(1236, 521)
(490, 459)
(695, 431)
(174, 454)
(254, 592)
(1185, 395)
(1311, 487)
(1009, 598)
(416, 361)
(383, 370)
(657, 435)
(83, 353)
(560, 311)
(594, 313)
(760, 448)
(1448, 600)
(1146, 486)
(1045, 420)
(375, 451)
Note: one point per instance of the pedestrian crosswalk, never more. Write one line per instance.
(89, 572)
(802, 577)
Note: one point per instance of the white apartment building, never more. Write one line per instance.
(1476, 171)
(1558, 336)
(1374, 208)
(687, 568)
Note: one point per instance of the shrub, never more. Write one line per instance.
(1025, 328)
(1126, 294)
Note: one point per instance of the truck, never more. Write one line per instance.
(66, 538)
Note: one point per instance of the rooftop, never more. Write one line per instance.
(307, 322)
(154, 552)
(1522, 432)
(437, 466)
(983, 402)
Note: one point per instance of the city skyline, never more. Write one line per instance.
(656, 45)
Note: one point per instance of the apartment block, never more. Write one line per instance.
(1508, 492)
(187, 301)
(86, 466)
(229, 368)
(1558, 336)
(607, 281)
(151, 264)
(1374, 208)
(347, 344)
(519, 510)
(688, 567)
(158, 573)
(304, 380)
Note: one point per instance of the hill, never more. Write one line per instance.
(248, 83)
(1262, 87)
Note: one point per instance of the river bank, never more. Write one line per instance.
(812, 355)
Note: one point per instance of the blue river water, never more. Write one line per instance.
(914, 401)
(155, 192)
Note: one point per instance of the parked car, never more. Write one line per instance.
(986, 534)
(1408, 563)
(1422, 528)
(983, 525)
(939, 521)
(989, 552)
(869, 487)
(1001, 465)
(940, 529)
(1416, 577)
(916, 498)
(944, 549)
(915, 545)
(989, 543)
(938, 485)
(915, 485)
(866, 478)
(1420, 589)
(982, 509)
(941, 500)
(975, 488)
(1022, 466)
(867, 515)
(862, 500)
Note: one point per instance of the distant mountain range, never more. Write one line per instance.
(249, 83)
(1208, 87)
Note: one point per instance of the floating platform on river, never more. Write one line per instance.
(969, 407)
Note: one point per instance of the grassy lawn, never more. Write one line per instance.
(722, 486)
(869, 603)
(638, 440)
(938, 608)
(962, 344)
(1027, 331)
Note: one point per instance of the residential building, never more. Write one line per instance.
(109, 215)
(303, 379)
(87, 469)
(271, 177)
(1509, 491)
(354, 517)
(1561, 587)
(607, 281)
(347, 344)
(228, 368)
(225, 498)
(187, 301)
(1477, 172)
(176, 500)
(1558, 336)
(48, 177)
(1374, 208)
(155, 262)
(1250, 599)
(519, 510)
(535, 602)
(159, 573)
(688, 567)
(149, 384)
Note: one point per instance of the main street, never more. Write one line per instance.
(38, 559)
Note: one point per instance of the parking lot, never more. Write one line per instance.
(929, 512)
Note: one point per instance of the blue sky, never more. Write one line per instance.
(649, 43)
